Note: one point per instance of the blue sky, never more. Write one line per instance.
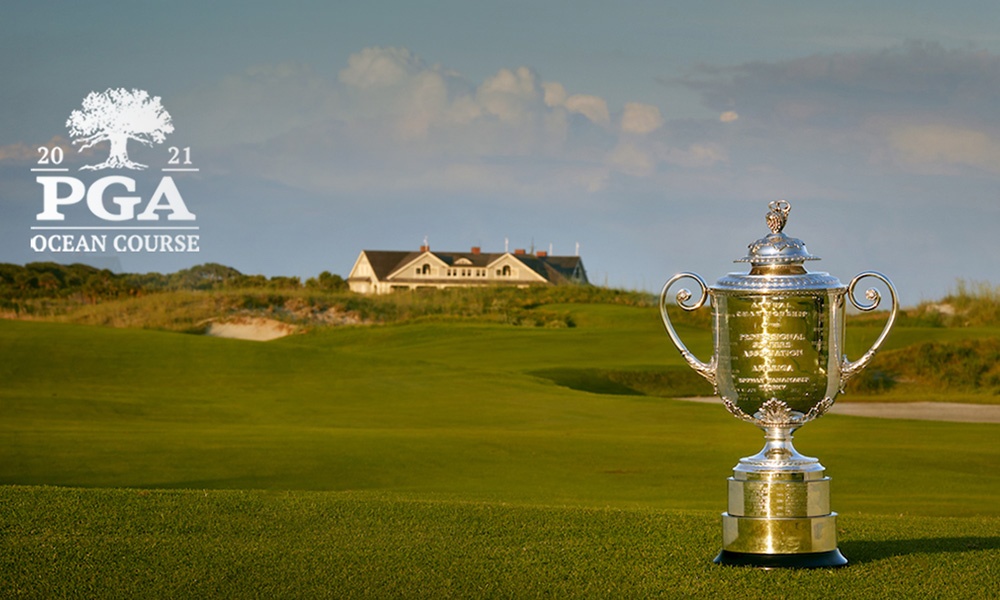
(651, 133)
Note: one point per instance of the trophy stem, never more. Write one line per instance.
(779, 453)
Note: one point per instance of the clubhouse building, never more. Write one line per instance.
(383, 271)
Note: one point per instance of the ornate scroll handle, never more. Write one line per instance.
(705, 370)
(849, 369)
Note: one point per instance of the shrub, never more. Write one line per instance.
(966, 365)
(971, 304)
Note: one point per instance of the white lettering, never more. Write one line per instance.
(51, 200)
(95, 198)
(166, 197)
(167, 190)
(66, 242)
(155, 243)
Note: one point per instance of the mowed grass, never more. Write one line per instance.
(444, 410)
(252, 544)
(433, 460)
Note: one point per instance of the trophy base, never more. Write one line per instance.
(779, 510)
(810, 560)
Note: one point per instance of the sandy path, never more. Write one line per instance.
(921, 411)
(924, 411)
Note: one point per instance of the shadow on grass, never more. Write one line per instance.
(860, 552)
(669, 382)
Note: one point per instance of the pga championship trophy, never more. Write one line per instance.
(778, 362)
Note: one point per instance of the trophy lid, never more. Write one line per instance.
(776, 262)
(777, 248)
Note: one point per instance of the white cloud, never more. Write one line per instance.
(520, 82)
(555, 94)
(628, 158)
(512, 96)
(22, 152)
(380, 67)
(641, 118)
(696, 155)
(933, 146)
(427, 99)
(592, 107)
(391, 121)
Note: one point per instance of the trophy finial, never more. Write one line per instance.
(778, 215)
(776, 248)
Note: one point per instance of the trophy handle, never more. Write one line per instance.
(705, 370)
(849, 369)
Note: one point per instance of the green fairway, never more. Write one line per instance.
(443, 410)
(454, 458)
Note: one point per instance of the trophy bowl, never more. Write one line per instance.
(778, 362)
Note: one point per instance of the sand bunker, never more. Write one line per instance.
(256, 329)
(920, 411)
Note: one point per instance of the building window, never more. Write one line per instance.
(505, 272)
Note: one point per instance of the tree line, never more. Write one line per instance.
(88, 284)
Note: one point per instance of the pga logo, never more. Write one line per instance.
(115, 116)
(165, 197)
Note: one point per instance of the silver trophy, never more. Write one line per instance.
(778, 362)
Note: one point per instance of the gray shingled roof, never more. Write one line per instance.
(384, 262)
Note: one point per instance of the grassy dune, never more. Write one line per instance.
(437, 459)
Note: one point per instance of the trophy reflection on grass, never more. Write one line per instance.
(778, 362)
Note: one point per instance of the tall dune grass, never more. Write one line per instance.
(191, 310)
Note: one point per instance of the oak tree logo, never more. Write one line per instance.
(78, 212)
(117, 116)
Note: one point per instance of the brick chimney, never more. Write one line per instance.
(519, 251)
(476, 249)
(425, 248)
(541, 254)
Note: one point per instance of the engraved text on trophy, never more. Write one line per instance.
(776, 347)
